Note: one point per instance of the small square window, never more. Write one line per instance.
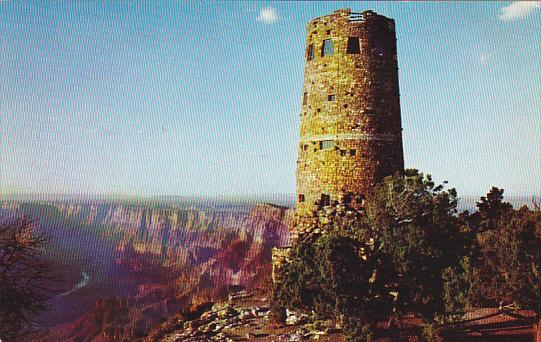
(300, 198)
(328, 32)
(305, 99)
(327, 48)
(343, 153)
(310, 52)
(352, 152)
(331, 97)
(304, 147)
(326, 144)
(354, 46)
(325, 200)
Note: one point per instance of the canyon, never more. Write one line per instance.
(125, 267)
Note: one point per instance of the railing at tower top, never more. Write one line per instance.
(356, 16)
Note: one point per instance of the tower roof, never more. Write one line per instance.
(351, 16)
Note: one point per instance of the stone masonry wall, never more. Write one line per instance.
(351, 135)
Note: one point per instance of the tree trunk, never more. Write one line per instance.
(390, 322)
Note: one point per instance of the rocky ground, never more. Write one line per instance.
(245, 317)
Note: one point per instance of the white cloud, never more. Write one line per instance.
(483, 58)
(519, 9)
(267, 15)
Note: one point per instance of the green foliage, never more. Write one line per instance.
(507, 265)
(416, 226)
(518, 250)
(429, 333)
(333, 273)
(456, 288)
(402, 255)
(409, 251)
(327, 275)
(491, 210)
(356, 329)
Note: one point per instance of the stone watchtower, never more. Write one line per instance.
(351, 134)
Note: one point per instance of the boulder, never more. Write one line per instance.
(296, 319)
(227, 312)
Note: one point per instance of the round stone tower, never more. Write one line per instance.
(351, 133)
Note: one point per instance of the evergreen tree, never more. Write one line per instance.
(506, 269)
(393, 256)
(25, 278)
(415, 225)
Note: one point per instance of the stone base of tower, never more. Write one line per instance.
(314, 221)
(308, 215)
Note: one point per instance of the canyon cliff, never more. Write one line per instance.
(167, 258)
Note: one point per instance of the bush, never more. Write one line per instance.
(371, 266)
(356, 329)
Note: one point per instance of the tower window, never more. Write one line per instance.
(305, 98)
(331, 97)
(328, 32)
(352, 152)
(354, 46)
(362, 200)
(310, 52)
(326, 144)
(343, 153)
(304, 147)
(325, 200)
(300, 198)
(328, 48)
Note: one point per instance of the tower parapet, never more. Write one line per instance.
(351, 133)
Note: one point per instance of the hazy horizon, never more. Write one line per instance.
(203, 196)
(144, 99)
(289, 200)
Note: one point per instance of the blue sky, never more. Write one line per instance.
(187, 98)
